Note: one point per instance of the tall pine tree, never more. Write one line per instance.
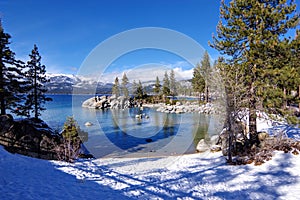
(125, 82)
(249, 33)
(139, 92)
(205, 71)
(11, 76)
(36, 76)
(198, 82)
(116, 87)
(166, 85)
(173, 87)
(157, 86)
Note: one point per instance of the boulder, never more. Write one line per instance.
(262, 136)
(88, 103)
(214, 139)
(112, 97)
(114, 104)
(202, 146)
(6, 123)
(178, 103)
(179, 111)
(88, 124)
(140, 116)
(215, 148)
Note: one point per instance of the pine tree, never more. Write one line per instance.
(139, 92)
(198, 82)
(157, 86)
(116, 87)
(72, 131)
(134, 87)
(73, 137)
(250, 33)
(205, 71)
(295, 60)
(125, 82)
(11, 83)
(173, 87)
(36, 76)
(166, 85)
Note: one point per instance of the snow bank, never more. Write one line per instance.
(275, 127)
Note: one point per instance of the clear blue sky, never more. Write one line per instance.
(66, 31)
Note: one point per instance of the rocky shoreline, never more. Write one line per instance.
(180, 108)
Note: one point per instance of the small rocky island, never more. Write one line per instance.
(122, 102)
(112, 102)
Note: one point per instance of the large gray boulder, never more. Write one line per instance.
(202, 146)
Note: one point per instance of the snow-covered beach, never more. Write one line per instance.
(196, 176)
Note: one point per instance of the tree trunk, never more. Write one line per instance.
(206, 93)
(299, 97)
(284, 99)
(252, 122)
(2, 100)
(228, 125)
(36, 116)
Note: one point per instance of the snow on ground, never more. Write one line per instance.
(196, 176)
(275, 127)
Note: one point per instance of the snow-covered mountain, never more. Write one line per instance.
(70, 83)
(67, 83)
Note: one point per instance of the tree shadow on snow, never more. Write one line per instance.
(203, 178)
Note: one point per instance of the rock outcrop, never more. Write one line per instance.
(29, 137)
(32, 138)
(104, 102)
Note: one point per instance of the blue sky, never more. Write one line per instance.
(67, 31)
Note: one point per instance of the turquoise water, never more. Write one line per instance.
(118, 133)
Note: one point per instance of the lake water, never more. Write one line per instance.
(117, 133)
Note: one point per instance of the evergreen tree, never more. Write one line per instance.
(73, 137)
(116, 87)
(125, 82)
(139, 92)
(157, 86)
(166, 85)
(198, 82)
(295, 56)
(173, 87)
(205, 71)
(36, 77)
(134, 87)
(72, 131)
(250, 34)
(11, 83)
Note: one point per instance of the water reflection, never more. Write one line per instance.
(161, 133)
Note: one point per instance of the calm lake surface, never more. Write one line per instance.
(117, 133)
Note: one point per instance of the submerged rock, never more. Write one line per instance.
(149, 140)
(88, 124)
